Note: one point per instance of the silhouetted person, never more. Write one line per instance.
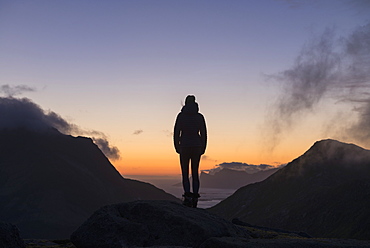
(190, 140)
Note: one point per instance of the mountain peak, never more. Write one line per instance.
(330, 157)
(324, 192)
(331, 144)
(336, 151)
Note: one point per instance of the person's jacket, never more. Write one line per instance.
(190, 128)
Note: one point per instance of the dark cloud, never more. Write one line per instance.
(137, 132)
(11, 91)
(23, 113)
(327, 66)
(110, 151)
(360, 130)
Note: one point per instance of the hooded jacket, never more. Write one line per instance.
(190, 128)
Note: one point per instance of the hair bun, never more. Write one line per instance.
(190, 99)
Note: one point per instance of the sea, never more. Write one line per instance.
(209, 197)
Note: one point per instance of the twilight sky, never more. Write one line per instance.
(123, 68)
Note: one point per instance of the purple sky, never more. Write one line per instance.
(123, 68)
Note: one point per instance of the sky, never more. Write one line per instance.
(271, 76)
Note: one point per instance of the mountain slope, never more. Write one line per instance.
(50, 182)
(325, 192)
(233, 179)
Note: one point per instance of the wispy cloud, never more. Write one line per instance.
(11, 91)
(327, 64)
(137, 132)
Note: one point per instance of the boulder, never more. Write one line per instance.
(9, 236)
(152, 223)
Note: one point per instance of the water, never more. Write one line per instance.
(212, 196)
(208, 196)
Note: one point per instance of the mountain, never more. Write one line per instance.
(325, 193)
(233, 179)
(50, 183)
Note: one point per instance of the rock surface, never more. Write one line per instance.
(230, 242)
(9, 236)
(152, 223)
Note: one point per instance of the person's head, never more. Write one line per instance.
(189, 99)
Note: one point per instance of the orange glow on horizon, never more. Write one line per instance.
(141, 158)
(170, 165)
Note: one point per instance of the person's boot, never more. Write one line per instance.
(187, 199)
(194, 200)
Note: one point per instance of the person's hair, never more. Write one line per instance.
(190, 99)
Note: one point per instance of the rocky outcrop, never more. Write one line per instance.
(152, 223)
(9, 236)
(165, 224)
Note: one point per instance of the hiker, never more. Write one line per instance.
(190, 141)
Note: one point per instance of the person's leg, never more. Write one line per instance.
(195, 160)
(184, 162)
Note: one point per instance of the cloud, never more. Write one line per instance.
(11, 91)
(109, 151)
(249, 168)
(327, 66)
(137, 132)
(23, 113)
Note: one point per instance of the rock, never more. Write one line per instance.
(225, 242)
(152, 223)
(9, 236)
(232, 242)
(277, 231)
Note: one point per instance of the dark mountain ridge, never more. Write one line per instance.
(325, 193)
(233, 179)
(50, 182)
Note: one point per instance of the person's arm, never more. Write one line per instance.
(176, 134)
(203, 134)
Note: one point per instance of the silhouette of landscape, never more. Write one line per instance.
(53, 185)
(285, 83)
